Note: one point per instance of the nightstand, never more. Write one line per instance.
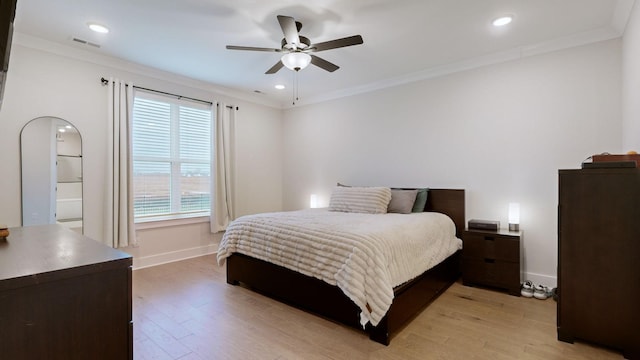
(492, 258)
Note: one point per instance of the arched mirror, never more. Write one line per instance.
(51, 160)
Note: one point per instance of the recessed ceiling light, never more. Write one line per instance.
(279, 87)
(502, 21)
(98, 28)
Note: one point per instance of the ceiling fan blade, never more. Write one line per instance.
(289, 29)
(338, 43)
(322, 63)
(274, 69)
(251, 48)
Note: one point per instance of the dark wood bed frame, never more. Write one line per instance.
(329, 301)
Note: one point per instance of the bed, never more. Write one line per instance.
(332, 301)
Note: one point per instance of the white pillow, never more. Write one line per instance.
(370, 200)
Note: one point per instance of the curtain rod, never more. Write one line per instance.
(105, 82)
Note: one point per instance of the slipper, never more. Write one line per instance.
(541, 292)
(527, 289)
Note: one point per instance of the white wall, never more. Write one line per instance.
(500, 132)
(44, 81)
(631, 82)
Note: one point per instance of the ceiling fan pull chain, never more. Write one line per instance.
(297, 86)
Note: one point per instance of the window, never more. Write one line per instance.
(171, 154)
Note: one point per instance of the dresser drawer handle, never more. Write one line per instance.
(489, 238)
(489, 261)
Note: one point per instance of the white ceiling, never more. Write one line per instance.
(404, 40)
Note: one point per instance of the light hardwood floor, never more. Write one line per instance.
(186, 310)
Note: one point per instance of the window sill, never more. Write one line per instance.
(173, 220)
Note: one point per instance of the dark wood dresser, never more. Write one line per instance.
(492, 258)
(599, 258)
(63, 296)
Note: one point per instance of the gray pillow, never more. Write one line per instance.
(421, 200)
(402, 201)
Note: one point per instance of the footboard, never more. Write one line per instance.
(292, 288)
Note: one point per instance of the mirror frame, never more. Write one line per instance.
(53, 189)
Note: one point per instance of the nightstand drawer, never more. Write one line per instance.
(491, 246)
(491, 272)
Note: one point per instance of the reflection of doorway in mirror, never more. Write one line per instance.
(51, 169)
(69, 177)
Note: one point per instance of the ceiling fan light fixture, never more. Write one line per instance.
(296, 61)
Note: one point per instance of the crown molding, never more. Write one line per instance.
(567, 42)
(92, 57)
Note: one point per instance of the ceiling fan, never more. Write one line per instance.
(296, 48)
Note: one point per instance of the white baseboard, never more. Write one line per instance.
(168, 257)
(539, 279)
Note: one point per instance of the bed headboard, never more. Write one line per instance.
(449, 202)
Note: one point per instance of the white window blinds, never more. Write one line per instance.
(171, 141)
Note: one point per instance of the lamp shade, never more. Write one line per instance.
(514, 216)
(296, 60)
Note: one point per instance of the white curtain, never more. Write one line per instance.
(119, 227)
(222, 165)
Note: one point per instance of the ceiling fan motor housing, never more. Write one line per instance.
(304, 44)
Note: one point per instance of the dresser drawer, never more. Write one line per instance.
(491, 246)
(491, 272)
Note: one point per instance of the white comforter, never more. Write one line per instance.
(365, 255)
